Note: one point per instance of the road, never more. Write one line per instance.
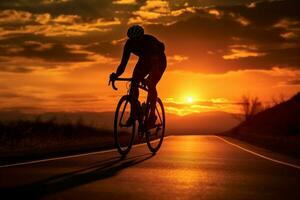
(186, 167)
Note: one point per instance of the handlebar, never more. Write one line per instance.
(112, 81)
(142, 85)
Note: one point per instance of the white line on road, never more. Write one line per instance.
(72, 156)
(260, 155)
(57, 158)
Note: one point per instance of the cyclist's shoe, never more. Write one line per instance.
(129, 121)
(151, 122)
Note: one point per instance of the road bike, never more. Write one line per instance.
(124, 134)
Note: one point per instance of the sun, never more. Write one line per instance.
(189, 99)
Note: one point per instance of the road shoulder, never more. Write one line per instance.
(262, 152)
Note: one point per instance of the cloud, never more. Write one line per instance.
(286, 23)
(43, 18)
(124, 2)
(290, 28)
(220, 38)
(54, 1)
(237, 53)
(47, 25)
(289, 35)
(37, 46)
(243, 21)
(29, 41)
(158, 12)
(14, 16)
(67, 19)
(51, 52)
(86, 9)
(293, 82)
(34, 55)
(184, 108)
(242, 51)
(17, 97)
(79, 97)
(215, 38)
(171, 60)
(215, 12)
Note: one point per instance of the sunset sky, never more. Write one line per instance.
(56, 55)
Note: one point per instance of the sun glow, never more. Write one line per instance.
(189, 99)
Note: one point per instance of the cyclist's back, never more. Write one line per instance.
(144, 47)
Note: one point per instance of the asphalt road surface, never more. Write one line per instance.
(186, 167)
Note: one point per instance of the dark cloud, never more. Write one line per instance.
(87, 8)
(79, 39)
(47, 51)
(266, 13)
(9, 95)
(215, 35)
(293, 82)
(236, 35)
(27, 53)
(56, 53)
(79, 98)
(14, 95)
(15, 69)
(105, 48)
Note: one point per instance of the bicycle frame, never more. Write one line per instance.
(142, 85)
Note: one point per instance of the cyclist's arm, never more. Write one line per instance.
(125, 58)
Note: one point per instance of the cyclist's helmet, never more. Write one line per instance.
(135, 31)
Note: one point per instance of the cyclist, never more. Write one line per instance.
(151, 62)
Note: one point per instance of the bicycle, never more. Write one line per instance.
(124, 135)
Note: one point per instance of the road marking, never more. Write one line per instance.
(260, 155)
(72, 156)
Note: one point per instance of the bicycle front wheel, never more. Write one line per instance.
(155, 136)
(123, 133)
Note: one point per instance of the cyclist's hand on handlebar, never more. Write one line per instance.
(112, 79)
(113, 76)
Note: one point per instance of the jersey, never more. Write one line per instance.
(145, 47)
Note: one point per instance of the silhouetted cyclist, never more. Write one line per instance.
(152, 62)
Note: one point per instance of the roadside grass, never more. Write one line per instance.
(42, 136)
(39, 136)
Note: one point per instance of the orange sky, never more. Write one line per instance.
(56, 55)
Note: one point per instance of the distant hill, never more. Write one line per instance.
(200, 123)
(282, 119)
(277, 128)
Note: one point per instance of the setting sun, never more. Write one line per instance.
(189, 99)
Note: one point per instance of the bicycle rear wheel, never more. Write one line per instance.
(155, 136)
(123, 135)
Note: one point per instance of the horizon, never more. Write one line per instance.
(57, 55)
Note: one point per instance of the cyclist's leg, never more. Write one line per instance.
(137, 76)
(155, 74)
